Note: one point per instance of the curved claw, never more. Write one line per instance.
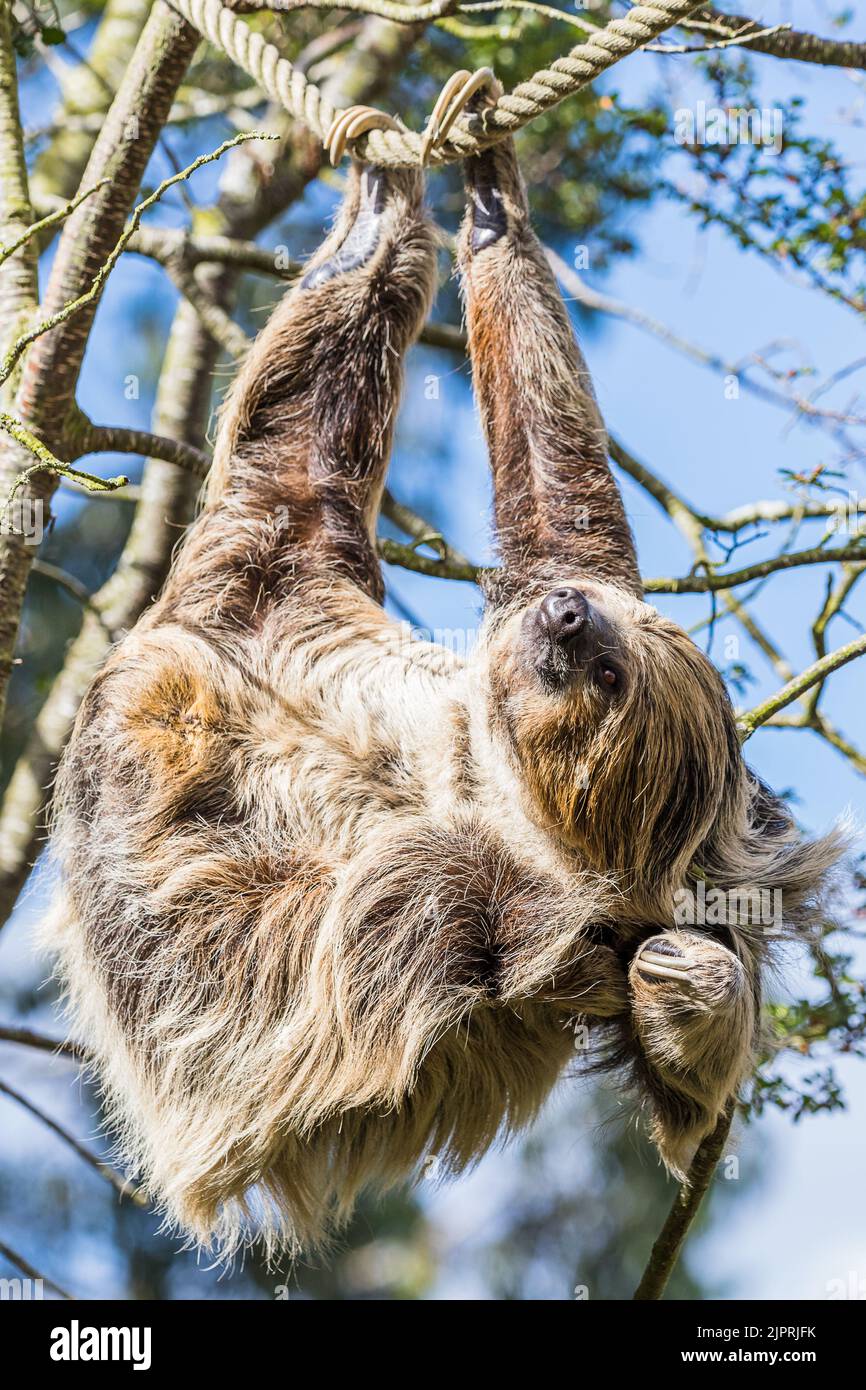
(662, 967)
(457, 92)
(661, 958)
(348, 125)
(431, 133)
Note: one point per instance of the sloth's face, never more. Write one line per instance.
(620, 725)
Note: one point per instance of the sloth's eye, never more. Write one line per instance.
(609, 676)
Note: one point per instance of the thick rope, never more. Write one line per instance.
(546, 88)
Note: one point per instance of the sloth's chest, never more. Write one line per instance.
(331, 777)
(328, 788)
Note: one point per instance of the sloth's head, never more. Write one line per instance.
(627, 744)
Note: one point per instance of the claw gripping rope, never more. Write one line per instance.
(546, 88)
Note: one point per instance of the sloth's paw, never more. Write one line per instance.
(687, 969)
(461, 92)
(693, 1006)
(350, 124)
(383, 205)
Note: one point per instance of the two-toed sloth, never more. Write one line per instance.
(334, 898)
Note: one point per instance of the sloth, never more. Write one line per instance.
(334, 900)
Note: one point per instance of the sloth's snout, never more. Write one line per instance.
(565, 612)
(562, 634)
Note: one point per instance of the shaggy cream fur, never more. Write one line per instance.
(331, 899)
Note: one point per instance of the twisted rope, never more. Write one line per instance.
(546, 88)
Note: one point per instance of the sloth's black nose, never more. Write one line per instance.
(566, 613)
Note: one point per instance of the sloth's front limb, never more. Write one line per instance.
(558, 509)
(694, 1009)
(594, 983)
(305, 437)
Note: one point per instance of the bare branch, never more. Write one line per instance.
(666, 1250)
(409, 558)
(27, 1038)
(794, 43)
(420, 530)
(90, 295)
(49, 220)
(690, 522)
(65, 581)
(170, 245)
(120, 1184)
(219, 324)
(118, 439)
(836, 740)
(18, 280)
(19, 288)
(818, 671)
(28, 1270)
(709, 583)
(775, 510)
(444, 335)
(735, 41)
(86, 92)
(48, 463)
(834, 600)
(768, 512)
(705, 357)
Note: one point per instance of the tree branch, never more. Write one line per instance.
(171, 245)
(735, 41)
(422, 532)
(30, 1273)
(50, 373)
(18, 280)
(121, 1185)
(48, 463)
(49, 220)
(220, 325)
(118, 439)
(27, 1038)
(666, 1250)
(409, 558)
(66, 581)
(604, 304)
(818, 671)
(791, 43)
(709, 583)
(87, 90)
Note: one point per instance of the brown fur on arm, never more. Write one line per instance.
(306, 432)
(558, 509)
